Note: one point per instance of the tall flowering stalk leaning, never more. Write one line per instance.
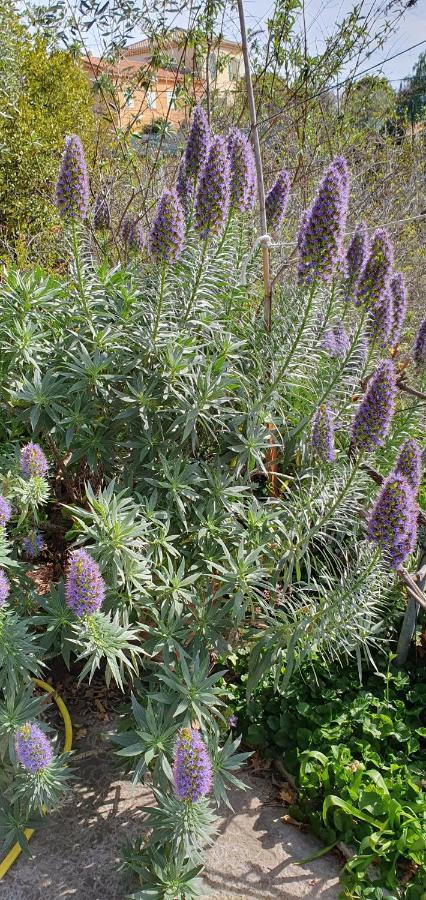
(321, 233)
(166, 241)
(380, 323)
(242, 171)
(213, 194)
(392, 524)
(375, 279)
(409, 463)
(374, 415)
(72, 197)
(276, 201)
(356, 258)
(197, 145)
(400, 301)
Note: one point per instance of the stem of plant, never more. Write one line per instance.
(76, 254)
(160, 302)
(190, 303)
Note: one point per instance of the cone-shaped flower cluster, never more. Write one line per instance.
(72, 187)
(357, 253)
(323, 434)
(213, 194)
(335, 341)
(33, 461)
(380, 320)
(33, 748)
(184, 185)
(372, 420)
(101, 212)
(192, 769)
(167, 232)
(4, 587)
(419, 349)
(393, 521)
(197, 144)
(132, 234)
(33, 544)
(399, 299)
(243, 171)
(5, 511)
(84, 585)
(276, 201)
(376, 276)
(322, 229)
(409, 463)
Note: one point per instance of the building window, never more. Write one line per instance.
(171, 100)
(234, 68)
(151, 99)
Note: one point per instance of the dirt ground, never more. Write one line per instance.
(76, 853)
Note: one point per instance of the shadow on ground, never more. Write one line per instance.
(76, 853)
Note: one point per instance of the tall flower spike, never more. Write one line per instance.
(419, 349)
(192, 769)
(323, 434)
(356, 258)
(5, 511)
(132, 234)
(392, 524)
(373, 417)
(400, 301)
(322, 229)
(335, 341)
(380, 320)
(243, 171)
(101, 212)
(167, 232)
(376, 276)
(33, 461)
(184, 185)
(276, 201)
(409, 463)
(72, 187)
(84, 585)
(213, 194)
(197, 144)
(4, 587)
(33, 749)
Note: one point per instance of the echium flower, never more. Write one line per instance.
(33, 544)
(101, 212)
(377, 272)
(409, 463)
(322, 229)
(184, 185)
(33, 749)
(132, 234)
(356, 258)
(167, 232)
(5, 511)
(243, 171)
(392, 524)
(192, 769)
(213, 194)
(419, 349)
(373, 417)
(33, 461)
(72, 187)
(4, 587)
(335, 340)
(197, 144)
(400, 300)
(323, 434)
(276, 201)
(380, 320)
(84, 585)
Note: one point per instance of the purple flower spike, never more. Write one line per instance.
(33, 544)
(167, 233)
(276, 201)
(356, 258)
(336, 341)
(400, 301)
(213, 195)
(376, 276)
(33, 749)
(243, 171)
(393, 520)
(33, 461)
(132, 234)
(72, 188)
(4, 587)
(101, 213)
(184, 185)
(419, 349)
(322, 229)
(84, 585)
(380, 320)
(192, 769)
(409, 463)
(372, 420)
(197, 144)
(5, 511)
(323, 434)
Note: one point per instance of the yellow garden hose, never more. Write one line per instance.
(14, 852)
